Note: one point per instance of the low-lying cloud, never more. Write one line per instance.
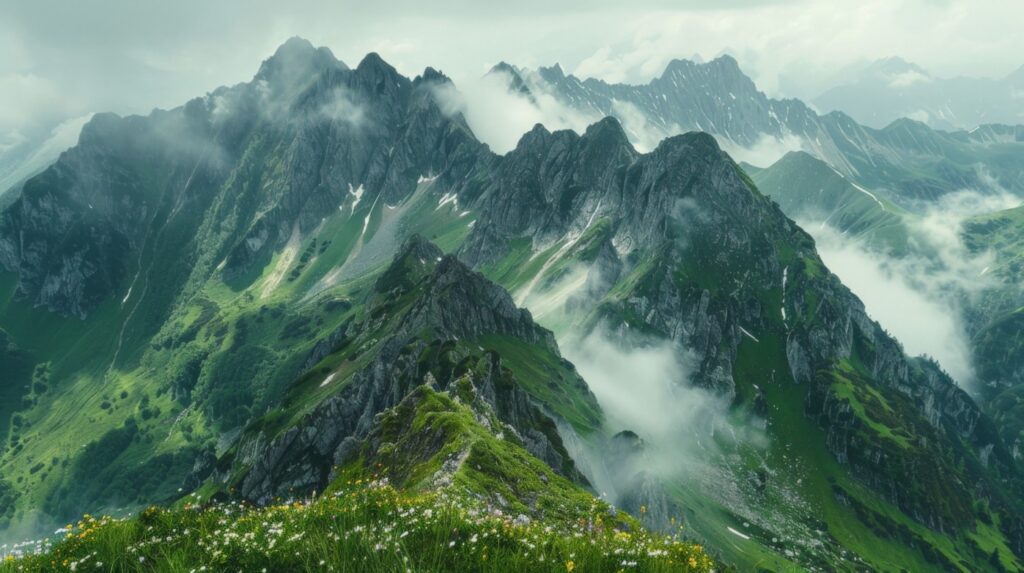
(644, 386)
(765, 151)
(920, 297)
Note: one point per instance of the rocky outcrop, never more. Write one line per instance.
(451, 303)
(225, 180)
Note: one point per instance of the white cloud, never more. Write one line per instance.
(644, 135)
(908, 304)
(919, 298)
(500, 117)
(907, 78)
(767, 150)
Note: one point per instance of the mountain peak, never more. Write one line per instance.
(894, 65)
(373, 60)
(503, 67)
(724, 63)
(607, 130)
(297, 56)
(554, 70)
(418, 246)
(296, 60)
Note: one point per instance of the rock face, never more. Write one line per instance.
(699, 256)
(450, 303)
(225, 179)
(718, 98)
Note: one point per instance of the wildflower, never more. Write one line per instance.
(570, 566)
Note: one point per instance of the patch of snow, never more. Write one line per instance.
(448, 198)
(357, 193)
(125, 299)
(423, 179)
(327, 380)
(752, 337)
(861, 189)
(737, 533)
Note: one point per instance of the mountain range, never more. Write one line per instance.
(892, 88)
(322, 273)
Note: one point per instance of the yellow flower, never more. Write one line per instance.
(569, 566)
(643, 509)
(693, 563)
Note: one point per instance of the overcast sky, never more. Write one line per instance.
(62, 59)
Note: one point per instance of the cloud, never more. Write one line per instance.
(907, 79)
(688, 439)
(644, 386)
(767, 150)
(644, 135)
(920, 298)
(20, 166)
(340, 107)
(904, 298)
(500, 116)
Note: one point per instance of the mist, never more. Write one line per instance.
(920, 297)
(663, 434)
(499, 116)
(766, 151)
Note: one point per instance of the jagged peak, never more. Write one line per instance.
(297, 56)
(431, 75)
(907, 123)
(417, 245)
(690, 141)
(373, 62)
(894, 65)
(415, 260)
(607, 130)
(536, 136)
(503, 67)
(723, 62)
(554, 70)
(454, 300)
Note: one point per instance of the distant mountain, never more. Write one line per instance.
(892, 88)
(906, 159)
(244, 297)
(809, 190)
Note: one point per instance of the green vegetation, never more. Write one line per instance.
(362, 526)
(433, 490)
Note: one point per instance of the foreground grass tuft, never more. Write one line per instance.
(365, 526)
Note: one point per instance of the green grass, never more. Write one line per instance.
(364, 526)
(402, 505)
(552, 381)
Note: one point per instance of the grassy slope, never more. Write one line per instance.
(236, 345)
(807, 189)
(869, 529)
(363, 524)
